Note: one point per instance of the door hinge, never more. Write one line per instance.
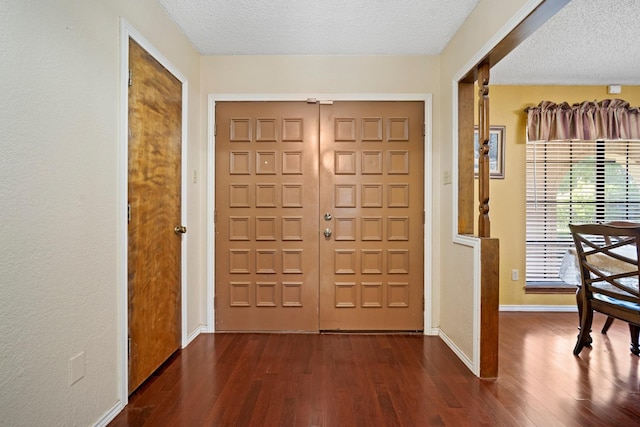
(129, 213)
(129, 347)
(215, 129)
(215, 216)
(423, 303)
(130, 78)
(424, 129)
(424, 217)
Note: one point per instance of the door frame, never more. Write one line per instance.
(126, 32)
(428, 204)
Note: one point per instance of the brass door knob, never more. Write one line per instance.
(180, 229)
(327, 232)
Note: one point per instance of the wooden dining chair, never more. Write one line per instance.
(608, 260)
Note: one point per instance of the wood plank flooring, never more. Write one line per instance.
(395, 380)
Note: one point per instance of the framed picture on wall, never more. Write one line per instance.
(496, 151)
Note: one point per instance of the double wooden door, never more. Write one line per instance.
(319, 221)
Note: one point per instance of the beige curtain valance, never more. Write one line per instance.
(606, 119)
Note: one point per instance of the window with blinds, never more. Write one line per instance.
(575, 182)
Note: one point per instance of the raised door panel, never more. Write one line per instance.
(371, 185)
(267, 216)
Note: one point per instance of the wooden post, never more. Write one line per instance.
(466, 196)
(484, 224)
(489, 307)
(490, 258)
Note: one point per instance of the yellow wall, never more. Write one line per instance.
(508, 194)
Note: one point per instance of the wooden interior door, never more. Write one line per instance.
(266, 229)
(155, 132)
(372, 207)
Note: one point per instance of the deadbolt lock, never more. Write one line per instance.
(327, 216)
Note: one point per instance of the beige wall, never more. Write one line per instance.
(312, 75)
(59, 195)
(508, 194)
(59, 183)
(457, 264)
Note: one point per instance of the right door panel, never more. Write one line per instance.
(371, 204)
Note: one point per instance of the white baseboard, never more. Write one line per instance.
(110, 415)
(463, 357)
(193, 335)
(534, 308)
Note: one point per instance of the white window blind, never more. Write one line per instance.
(575, 182)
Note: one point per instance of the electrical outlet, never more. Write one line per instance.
(514, 274)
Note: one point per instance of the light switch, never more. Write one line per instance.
(446, 177)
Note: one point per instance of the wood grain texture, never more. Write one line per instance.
(489, 305)
(466, 192)
(155, 132)
(484, 222)
(394, 380)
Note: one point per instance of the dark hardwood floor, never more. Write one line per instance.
(395, 380)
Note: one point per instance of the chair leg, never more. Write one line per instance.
(584, 336)
(634, 330)
(607, 324)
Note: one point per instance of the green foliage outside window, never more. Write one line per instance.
(584, 196)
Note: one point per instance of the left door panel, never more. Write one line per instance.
(154, 197)
(266, 230)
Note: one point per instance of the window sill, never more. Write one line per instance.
(550, 289)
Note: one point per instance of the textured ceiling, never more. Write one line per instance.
(593, 42)
(319, 27)
(588, 42)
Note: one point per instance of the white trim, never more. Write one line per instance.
(320, 97)
(452, 345)
(193, 335)
(540, 308)
(463, 239)
(211, 199)
(123, 172)
(126, 32)
(184, 288)
(428, 209)
(110, 415)
(477, 258)
(428, 165)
